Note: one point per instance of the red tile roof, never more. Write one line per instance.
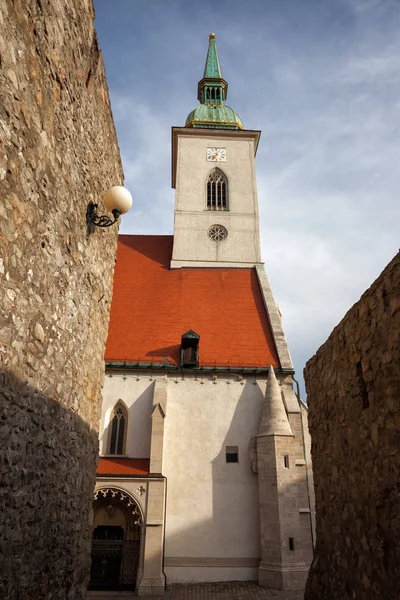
(153, 306)
(123, 466)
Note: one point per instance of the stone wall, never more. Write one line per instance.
(58, 151)
(353, 385)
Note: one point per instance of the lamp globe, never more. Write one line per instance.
(118, 198)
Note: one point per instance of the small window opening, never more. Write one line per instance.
(217, 196)
(118, 428)
(190, 349)
(232, 454)
(286, 461)
(291, 543)
(189, 356)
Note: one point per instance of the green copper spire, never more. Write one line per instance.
(212, 88)
(212, 68)
(212, 92)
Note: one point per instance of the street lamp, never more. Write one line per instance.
(117, 200)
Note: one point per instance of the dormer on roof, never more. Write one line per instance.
(190, 349)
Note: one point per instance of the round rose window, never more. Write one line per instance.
(217, 233)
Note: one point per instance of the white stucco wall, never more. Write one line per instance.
(192, 219)
(210, 573)
(212, 505)
(212, 511)
(136, 391)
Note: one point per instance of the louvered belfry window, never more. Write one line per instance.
(118, 428)
(217, 191)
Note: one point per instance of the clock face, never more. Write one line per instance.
(216, 154)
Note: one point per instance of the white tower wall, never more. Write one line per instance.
(192, 246)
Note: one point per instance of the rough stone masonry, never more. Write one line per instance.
(353, 385)
(58, 151)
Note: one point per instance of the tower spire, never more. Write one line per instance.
(212, 91)
(212, 67)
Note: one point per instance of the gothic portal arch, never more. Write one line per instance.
(116, 539)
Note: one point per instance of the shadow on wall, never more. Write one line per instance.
(155, 248)
(48, 463)
(221, 499)
(229, 495)
(235, 485)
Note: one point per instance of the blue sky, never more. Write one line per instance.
(321, 79)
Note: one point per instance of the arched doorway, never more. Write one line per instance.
(117, 523)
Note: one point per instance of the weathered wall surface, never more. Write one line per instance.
(58, 151)
(353, 385)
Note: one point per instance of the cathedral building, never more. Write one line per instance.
(204, 471)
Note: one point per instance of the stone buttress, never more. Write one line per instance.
(286, 542)
(152, 578)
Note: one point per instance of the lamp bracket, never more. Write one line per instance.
(93, 219)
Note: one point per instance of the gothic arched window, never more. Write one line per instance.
(217, 191)
(118, 423)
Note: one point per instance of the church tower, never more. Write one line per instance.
(199, 386)
(213, 172)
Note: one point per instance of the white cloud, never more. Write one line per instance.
(145, 152)
(360, 6)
